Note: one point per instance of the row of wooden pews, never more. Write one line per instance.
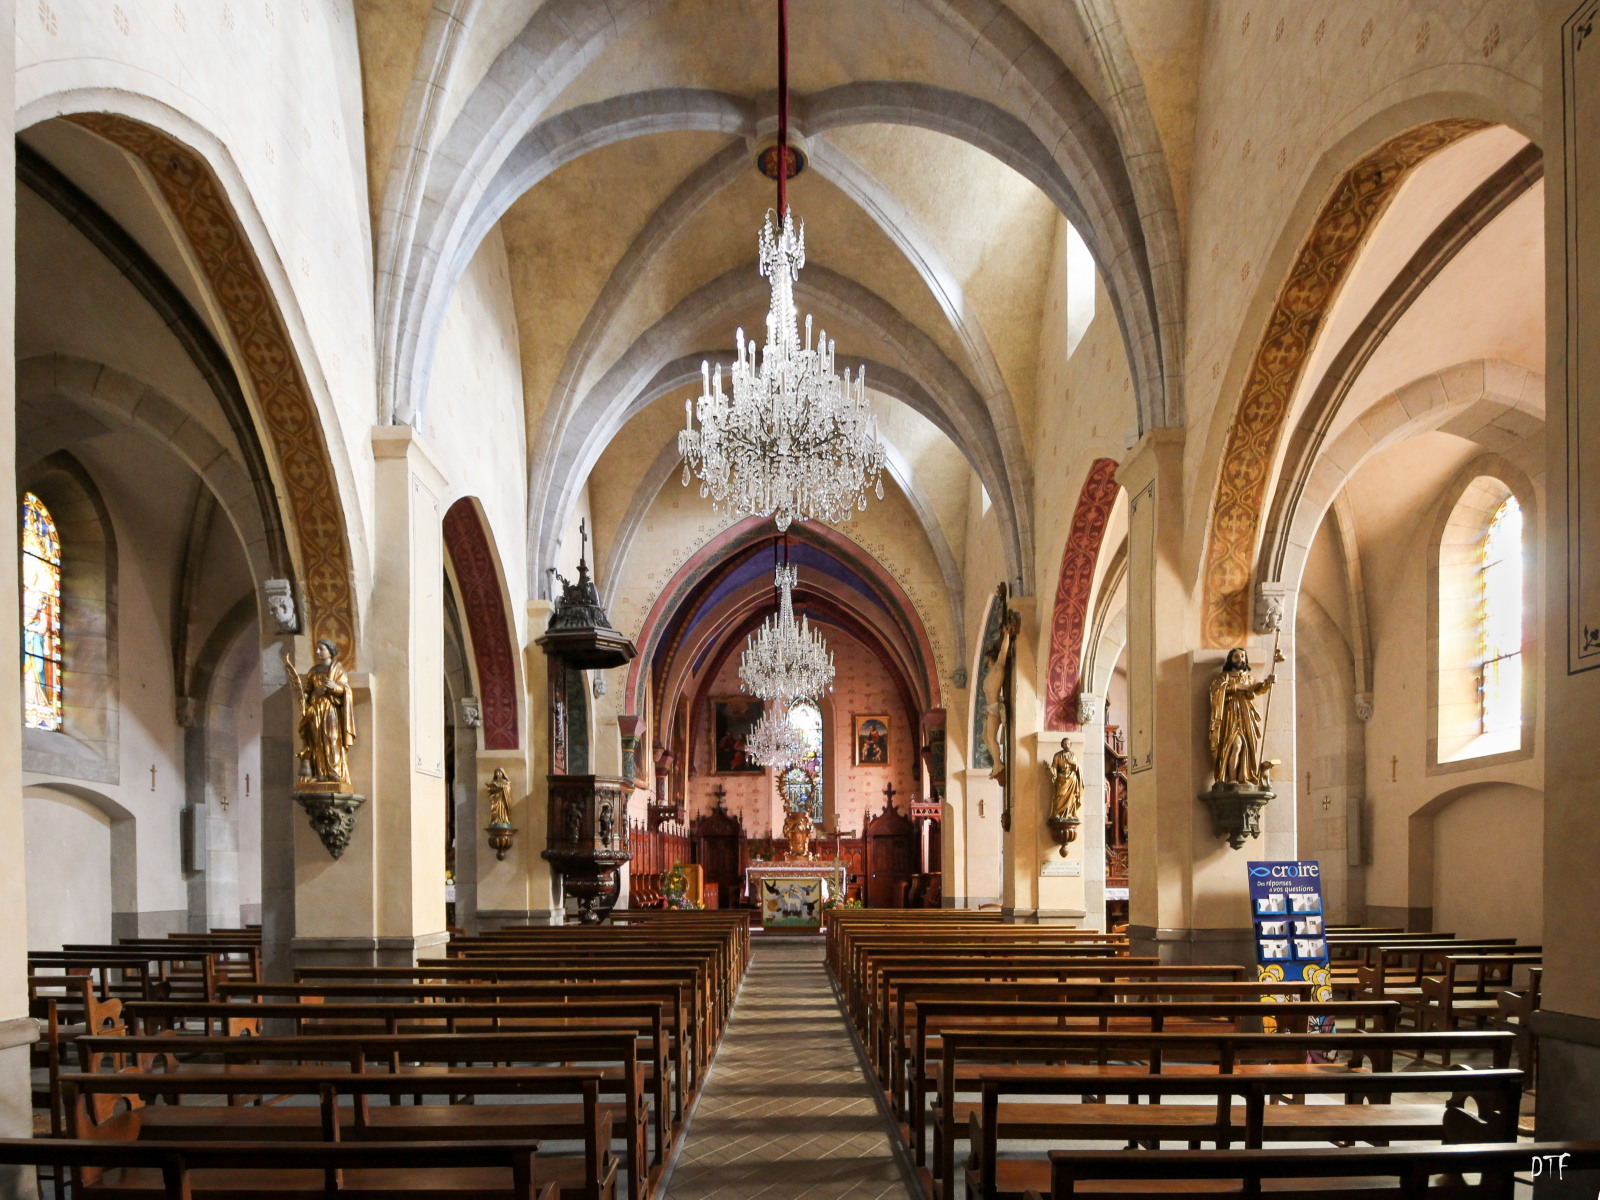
(543, 1061)
(1444, 982)
(1024, 1061)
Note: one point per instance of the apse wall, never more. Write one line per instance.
(852, 794)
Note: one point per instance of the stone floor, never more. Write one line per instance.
(786, 1111)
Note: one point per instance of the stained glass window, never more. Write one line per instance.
(802, 781)
(1500, 621)
(41, 616)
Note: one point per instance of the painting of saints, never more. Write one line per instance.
(872, 741)
(731, 721)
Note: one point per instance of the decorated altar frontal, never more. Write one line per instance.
(834, 874)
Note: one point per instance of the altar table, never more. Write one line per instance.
(835, 874)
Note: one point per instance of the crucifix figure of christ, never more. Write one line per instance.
(888, 796)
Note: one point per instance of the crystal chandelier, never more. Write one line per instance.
(795, 442)
(785, 659)
(773, 741)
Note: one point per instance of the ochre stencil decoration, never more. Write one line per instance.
(1352, 211)
(484, 605)
(1071, 613)
(201, 210)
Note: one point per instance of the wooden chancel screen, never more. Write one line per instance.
(891, 857)
(716, 837)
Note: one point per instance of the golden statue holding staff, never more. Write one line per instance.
(1236, 728)
(327, 720)
(1069, 785)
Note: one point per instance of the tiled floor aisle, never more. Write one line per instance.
(787, 1112)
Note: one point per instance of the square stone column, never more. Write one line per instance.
(1090, 847)
(1569, 1021)
(1188, 892)
(383, 901)
(17, 1030)
(1025, 778)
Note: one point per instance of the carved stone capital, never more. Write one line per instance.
(471, 712)
(278, 595)
(1364, 705)
(1091, 708)
(1273, 602)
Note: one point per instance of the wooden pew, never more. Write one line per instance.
(1017, 1021)
(1236, 1109)
(66, 1007)
(91, 1099)
(1089, 1063)
(1463, 988)
(1375, 1173)
(127, 1170)
(906, 1030)
(431, 1058)
(457, 984)
(444, 996)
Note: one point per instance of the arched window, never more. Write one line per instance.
(1500, 622)
(41, 616)
(802, 781)
(1478, 691)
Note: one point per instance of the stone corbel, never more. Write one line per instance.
(333, 817)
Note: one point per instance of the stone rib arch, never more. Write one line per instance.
(565, 35)
(480, 583)
(290, 401)
(1496, 404)
(1342, 203)
(705, 561)
(667, 463)
(1069, 618)
(557, 473)
(121, 399)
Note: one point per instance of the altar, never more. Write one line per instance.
(797, 904)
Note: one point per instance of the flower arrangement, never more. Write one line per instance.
(833, 902)
(674, 889)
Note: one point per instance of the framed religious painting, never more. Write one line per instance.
(872, 740)
(732, 719)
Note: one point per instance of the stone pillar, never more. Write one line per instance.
(17, 1030)
(1091, 845)
(542, 886)
(1569, 1023)
(1188, 894)
(981, 847)
(1026, 781)
(383, 901)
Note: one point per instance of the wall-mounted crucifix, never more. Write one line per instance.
(888, 796)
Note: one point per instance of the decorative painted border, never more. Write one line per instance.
(1359, 199)
(1071, 615)
(483, 604)
(201, 209)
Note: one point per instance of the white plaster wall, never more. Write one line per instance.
(203, 69)
(473, 419)
(1488, 865)
(68, 846)
(1265, 154)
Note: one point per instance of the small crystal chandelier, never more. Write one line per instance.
(795, 442)
(773, 741)
(785, 659)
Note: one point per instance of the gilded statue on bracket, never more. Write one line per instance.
(499, 789)
(1067, 798)
(327, 720)
(1236, 728)
(1068, 785)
